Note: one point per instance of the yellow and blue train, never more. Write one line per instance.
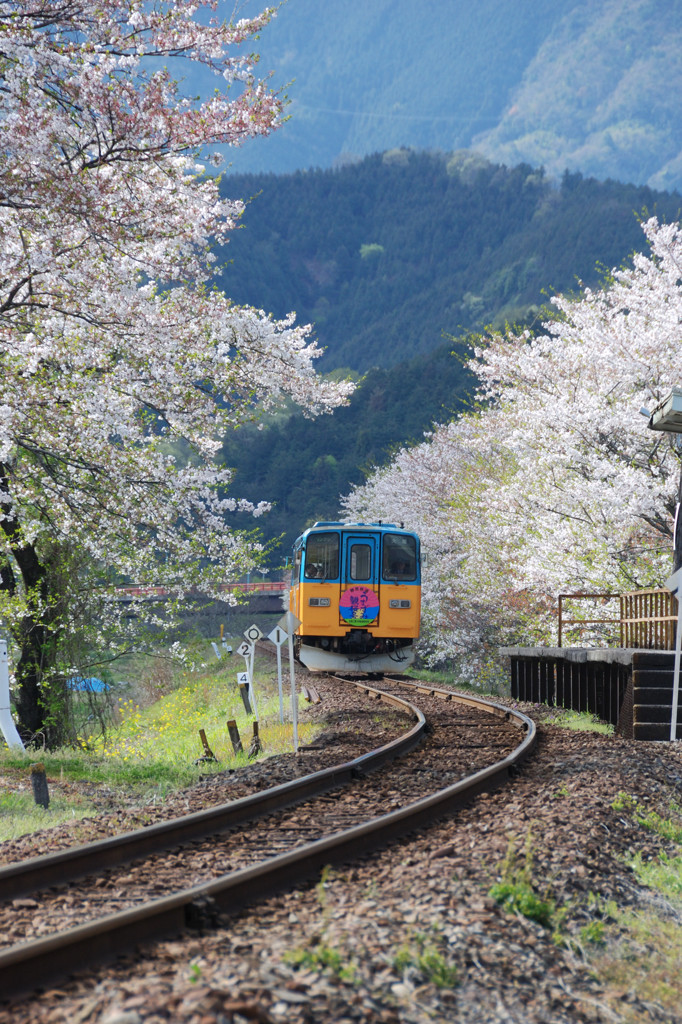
(356, 589)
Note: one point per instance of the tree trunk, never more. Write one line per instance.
(34, 634)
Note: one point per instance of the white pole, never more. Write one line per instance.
(279, 683)
(294, 699)
(252, 695)
(676, 671)
(9, 729)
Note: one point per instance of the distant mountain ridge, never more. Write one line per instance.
(586, 85)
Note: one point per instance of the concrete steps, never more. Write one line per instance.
(652, 687)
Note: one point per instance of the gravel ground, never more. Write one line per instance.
(411, 934)
(355, 725)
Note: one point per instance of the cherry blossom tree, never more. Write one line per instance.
(122, 365)
(556, 484)
(441, 488)
(598, 485)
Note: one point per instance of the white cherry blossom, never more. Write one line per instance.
(556, 484)
(122, 366)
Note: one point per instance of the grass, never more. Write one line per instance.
(423, 956)
(644, 956)
(319, 957)
(580, 721)
(488, 684)
(19, 814)
(640, 950)
(583, 721)
(153, 747)
(432, 676)
(319, 954)
(515, 890)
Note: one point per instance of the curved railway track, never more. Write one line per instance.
(217, 861)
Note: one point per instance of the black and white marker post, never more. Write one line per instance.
(253, 635)
(289, 624)
(278, 636)
(9, 729)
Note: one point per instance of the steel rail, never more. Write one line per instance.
(109, 936)
(27, 876)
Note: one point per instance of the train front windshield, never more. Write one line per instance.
(399, 560)
(322, 556)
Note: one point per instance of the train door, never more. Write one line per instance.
(359, 604)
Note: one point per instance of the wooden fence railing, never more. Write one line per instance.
(583, 621)
(646, 618)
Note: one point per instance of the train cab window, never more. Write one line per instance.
(296, 568)
(322, 556)
(399, 560)
(360, 562)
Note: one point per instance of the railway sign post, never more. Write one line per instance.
(253, 634)
(289, 624)
(278, 636)
(246, 650)
(244, 689)
(225, 646)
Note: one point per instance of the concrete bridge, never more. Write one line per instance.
(262, 595)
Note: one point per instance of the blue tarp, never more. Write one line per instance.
(90, 684)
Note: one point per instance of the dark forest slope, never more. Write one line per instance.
(387, 254)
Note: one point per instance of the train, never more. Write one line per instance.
(356, 590)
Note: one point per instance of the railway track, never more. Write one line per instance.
(216, 861)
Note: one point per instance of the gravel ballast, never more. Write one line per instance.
(412, 934)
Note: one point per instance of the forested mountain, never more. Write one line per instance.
(303, 465)
(385, 256)
(588, 85)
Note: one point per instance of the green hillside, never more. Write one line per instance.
(386, 255)
(368, 77)
(600, 95)
(303, 465)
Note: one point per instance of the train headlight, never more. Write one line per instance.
(398, 603)
(319, 602)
